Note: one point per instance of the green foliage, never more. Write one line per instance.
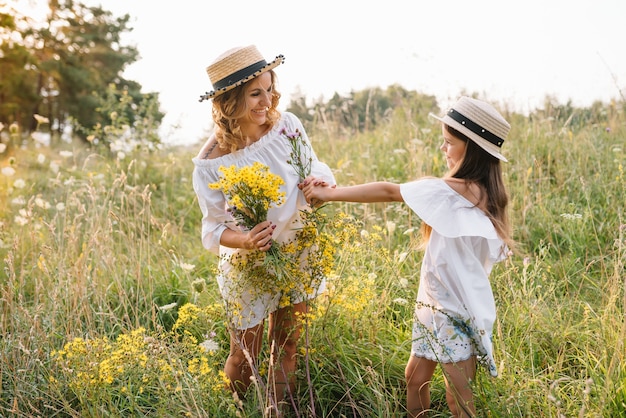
(127, 126)
(61, 68)
(102, 256)
(363, 111)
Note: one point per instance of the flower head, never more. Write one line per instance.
(41, 119)
(301, 159)
(250, 192)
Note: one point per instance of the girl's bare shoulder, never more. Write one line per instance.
(469, 190)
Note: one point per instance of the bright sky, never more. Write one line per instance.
(513, 53)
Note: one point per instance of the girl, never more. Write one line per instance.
(465, 230)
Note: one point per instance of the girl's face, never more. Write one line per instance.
(258, 96)
(453, 148)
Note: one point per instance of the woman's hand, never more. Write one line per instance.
(260, 237)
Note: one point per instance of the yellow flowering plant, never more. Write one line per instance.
(138, 372)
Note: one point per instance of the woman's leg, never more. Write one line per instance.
(459, 395)
(238, 368)
(418, 373)
(285, 328)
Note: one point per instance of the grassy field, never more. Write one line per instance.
(109, 307)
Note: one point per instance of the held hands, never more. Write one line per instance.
(316, 191)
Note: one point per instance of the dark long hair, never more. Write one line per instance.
(478, 166)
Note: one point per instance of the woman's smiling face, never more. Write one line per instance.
(258, 96)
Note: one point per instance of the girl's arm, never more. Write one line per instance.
(380, 191)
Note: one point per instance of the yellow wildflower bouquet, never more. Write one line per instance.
(250, 192)
(291, 268)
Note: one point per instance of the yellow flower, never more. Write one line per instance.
(250, 192)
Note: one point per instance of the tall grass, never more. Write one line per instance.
(106, 291)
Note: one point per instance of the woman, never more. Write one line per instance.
(466, 230)
(249, 129)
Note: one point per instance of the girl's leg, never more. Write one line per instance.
(285, 328)
(238, 368)
(418, 373)
(459, 395)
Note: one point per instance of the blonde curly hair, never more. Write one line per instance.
(229, 107)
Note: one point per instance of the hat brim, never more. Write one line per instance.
(269, 66)
(481, 142)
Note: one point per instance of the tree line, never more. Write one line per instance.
(67, 67)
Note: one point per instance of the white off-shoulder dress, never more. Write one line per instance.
(455, 309)
(273, 150)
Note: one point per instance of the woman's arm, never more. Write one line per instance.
(380, 191)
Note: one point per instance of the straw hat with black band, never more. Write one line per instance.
(480, 122)
(235, 67)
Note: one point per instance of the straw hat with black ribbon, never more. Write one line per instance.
(235, 67)
(480, 122)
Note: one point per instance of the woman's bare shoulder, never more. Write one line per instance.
(211, 150)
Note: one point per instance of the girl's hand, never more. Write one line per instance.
(315, 190)
(260, 237)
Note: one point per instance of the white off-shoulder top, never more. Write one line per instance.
(273, 150)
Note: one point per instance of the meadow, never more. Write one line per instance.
(109, 306)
